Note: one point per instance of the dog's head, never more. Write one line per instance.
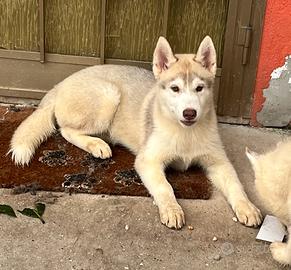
(185, 81)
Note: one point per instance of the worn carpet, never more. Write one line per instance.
(60, 166)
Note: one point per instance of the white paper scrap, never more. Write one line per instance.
(272, 230)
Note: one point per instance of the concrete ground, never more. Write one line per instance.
(103, 232)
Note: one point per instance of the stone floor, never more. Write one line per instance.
(113, 232)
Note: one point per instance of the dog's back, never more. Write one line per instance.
(101, 90)
(273, 179)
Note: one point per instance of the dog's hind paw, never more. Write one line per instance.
(247, 213)
(280, 253)
(172, 216)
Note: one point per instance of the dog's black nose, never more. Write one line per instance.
(189, 114)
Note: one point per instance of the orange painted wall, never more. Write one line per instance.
(275, 46)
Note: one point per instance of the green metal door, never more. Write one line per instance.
(43, 41)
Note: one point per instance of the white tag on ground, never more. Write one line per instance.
(272, 230)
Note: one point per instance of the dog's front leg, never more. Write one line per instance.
(151, 171)
(222, 174)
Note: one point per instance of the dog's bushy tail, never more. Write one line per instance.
(33, 130)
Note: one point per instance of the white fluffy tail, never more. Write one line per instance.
(33, 131)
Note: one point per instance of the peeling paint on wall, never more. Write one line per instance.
(276, 110)
(278, 71)
(275, 46)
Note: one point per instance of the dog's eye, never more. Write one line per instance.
(175, 88)
(199, 88)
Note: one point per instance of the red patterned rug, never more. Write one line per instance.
(60, 166)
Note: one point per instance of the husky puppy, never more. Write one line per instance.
(166, 118)
(273, 184)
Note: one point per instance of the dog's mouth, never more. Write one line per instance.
(188, 122)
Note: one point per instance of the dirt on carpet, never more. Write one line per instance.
(60, 166)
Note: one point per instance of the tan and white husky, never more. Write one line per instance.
(166, 118)
(273, 184)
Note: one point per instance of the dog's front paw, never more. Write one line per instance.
(280, 253)
(247, 213)
(172, 216)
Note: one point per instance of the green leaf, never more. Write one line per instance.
(29, 212)
(34, 213)
(7, 210)
(40, 207)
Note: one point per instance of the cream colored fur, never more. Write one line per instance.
(273, 184)
(33, 130)
(145, 112)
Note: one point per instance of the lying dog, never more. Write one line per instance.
(273, 184)
(167, 118)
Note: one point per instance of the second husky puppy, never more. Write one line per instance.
(167, 120)
(273, 184)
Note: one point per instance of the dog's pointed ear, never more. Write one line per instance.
(252, 156)
(206, 55)
(163, 57)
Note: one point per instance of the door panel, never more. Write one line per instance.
(241, 50)
(72, 27)
(132, 28)
(190, 21)
(19, 25)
